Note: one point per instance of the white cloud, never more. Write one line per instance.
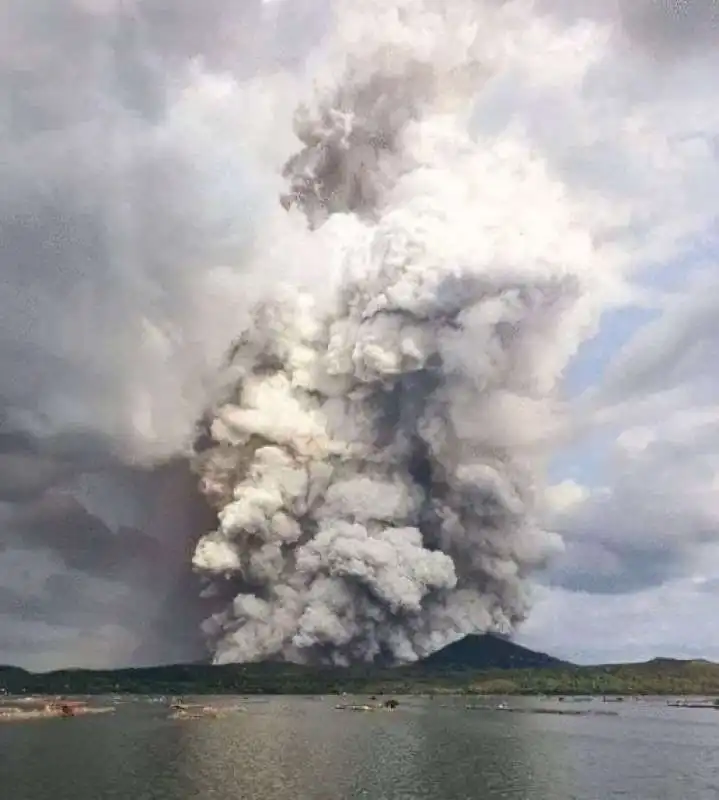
(562, 497)
(645, 538)
(676, 620)
(656, 509)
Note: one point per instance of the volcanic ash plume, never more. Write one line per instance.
(375, 462)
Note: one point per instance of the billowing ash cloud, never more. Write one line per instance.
(375, 462)
(465, 187)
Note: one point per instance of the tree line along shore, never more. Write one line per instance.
(658, 677)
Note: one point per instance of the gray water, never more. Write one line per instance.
(302, 748)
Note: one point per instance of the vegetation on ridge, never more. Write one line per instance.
(477, 666)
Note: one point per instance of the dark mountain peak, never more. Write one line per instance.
(489, 651)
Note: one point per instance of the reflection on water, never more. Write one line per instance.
(303, 749)
(511, 759)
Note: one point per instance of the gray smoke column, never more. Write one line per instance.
(376, 456)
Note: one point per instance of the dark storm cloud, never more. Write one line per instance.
(61, 602)
(230, 35)
(672, 27)
(83, 542)
(111, 227)
(29, 466)
(24, 475)
(615, 567)
(663, 29)
(648, 527)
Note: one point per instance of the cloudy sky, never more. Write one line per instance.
(139, 141)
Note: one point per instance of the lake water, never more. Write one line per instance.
(304, 749)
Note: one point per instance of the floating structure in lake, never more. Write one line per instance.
(198, 711)
(41, 708)
(388, 705)
(558, 712)
(693, 704)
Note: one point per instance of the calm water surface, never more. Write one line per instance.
(296, 748)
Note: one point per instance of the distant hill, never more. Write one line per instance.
(475, 665)
(675, 662)
(489, 652)
(11, 672)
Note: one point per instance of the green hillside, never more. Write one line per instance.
(477, 665)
